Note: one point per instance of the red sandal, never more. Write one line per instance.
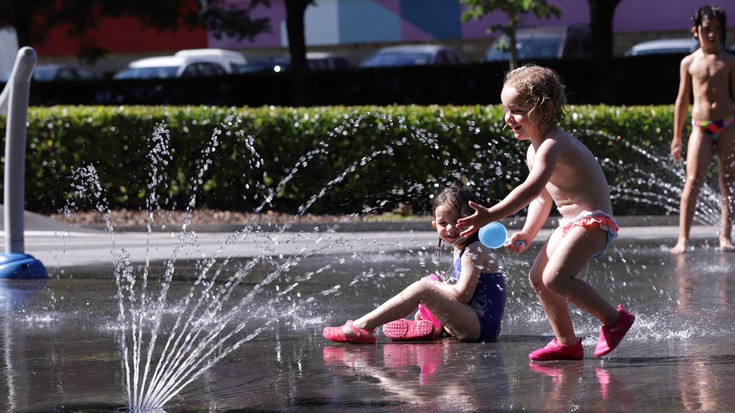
(361, 336)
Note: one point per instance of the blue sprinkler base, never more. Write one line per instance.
(21, 266)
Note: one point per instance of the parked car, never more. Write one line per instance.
(327, 61)
(684, 45)
(573, 41)
(272, 64)
(169, 67)
(231, 60)
(54, 72)
(51, 72)
(315, 60)
(8, 51)
(413, 55)
(185, 63)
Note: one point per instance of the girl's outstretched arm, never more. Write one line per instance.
(541, 163)
(474, 222)
(538, 213)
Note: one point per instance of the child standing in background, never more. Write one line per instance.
(564, 172)
(709, 75)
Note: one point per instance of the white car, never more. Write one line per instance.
(684, 45)
(231, 60)
(186, 63)
(8, 50)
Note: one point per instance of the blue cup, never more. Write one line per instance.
(493, 235)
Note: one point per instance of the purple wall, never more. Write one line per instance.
(654, 15)
(630, 16)
(427, 20)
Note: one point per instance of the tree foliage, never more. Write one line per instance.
(515, 9)
(33, 20)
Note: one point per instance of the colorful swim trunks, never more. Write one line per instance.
(714, 127)
(587, 219)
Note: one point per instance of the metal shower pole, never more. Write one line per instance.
(14, 98)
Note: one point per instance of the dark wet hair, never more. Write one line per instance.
(708, 12)
(542, 88)
(458, 197)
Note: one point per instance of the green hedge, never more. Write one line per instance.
(359, 160)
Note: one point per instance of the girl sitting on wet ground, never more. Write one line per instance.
(470, 309)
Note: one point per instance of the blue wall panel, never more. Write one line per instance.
(440, 19)
(363, 21)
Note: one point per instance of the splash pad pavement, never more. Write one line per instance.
(62, 347)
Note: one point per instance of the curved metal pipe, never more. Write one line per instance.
(14, 98)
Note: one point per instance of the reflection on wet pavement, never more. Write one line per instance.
(60, 349)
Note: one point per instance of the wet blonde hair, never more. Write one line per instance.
(543, 89)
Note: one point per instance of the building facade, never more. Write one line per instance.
(357, 27)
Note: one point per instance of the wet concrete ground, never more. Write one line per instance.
(61, 345)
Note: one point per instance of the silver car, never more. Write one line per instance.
(413, 55)
(563, 42)
(684, 45)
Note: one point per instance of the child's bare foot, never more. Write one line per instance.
(726, 245)
(680, 247)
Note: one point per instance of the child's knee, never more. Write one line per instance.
(554, 284)
(536, 279)
(421, 288)
(541, 281)
(423, 285)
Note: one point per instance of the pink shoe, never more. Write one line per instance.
(405, 330)
(361, 336)
(427, 315)
(612, 335)
(556, 351)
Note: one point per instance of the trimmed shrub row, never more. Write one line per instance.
(322, 160)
